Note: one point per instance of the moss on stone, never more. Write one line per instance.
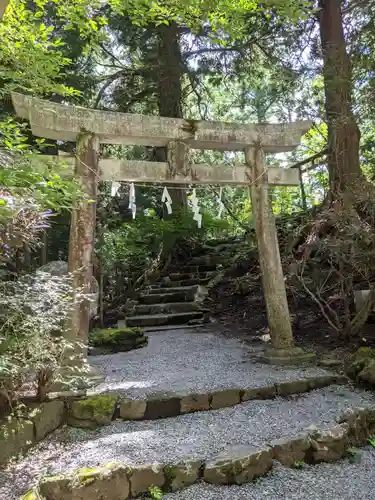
(97, 408)
(114, 336)
(359, 361)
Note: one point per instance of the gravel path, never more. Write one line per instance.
(192, 435)
(179, 360)
(338, 481)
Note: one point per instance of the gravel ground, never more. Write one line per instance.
(192, 435)
(338, 481)
(178, 360)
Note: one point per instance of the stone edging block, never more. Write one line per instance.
(162, 405)
(236, 465)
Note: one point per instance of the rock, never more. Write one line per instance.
(47, 417)
(331, 445)
(182, 475)
(144, 476)
(267, 392)
(367, 375)
(361, 424)
(289, 451)
(292, 387)
(132, 409)
(237, 465)
(225, 398)
(194, 402)
(16, 436)
(109, 482)
(98, 409)
(162, 406)
(358, 361)
(112, 340)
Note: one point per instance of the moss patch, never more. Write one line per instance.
(361, 366)
(113, 340)
(99, 409)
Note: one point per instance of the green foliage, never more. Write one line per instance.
(155, 493)
(299, 464)
(372, 441)
(32, 56)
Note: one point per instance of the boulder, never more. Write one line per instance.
(47, 417)
(92, 411)
(331, 445)
(361, 366)
(290, 451)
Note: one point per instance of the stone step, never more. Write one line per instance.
(191, 269)
(227, 446)
(160, 290)
(180, 276)
(163, 319)
(176, 295)
(184, 282)
(166, 307)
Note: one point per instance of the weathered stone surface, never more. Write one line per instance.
(292, 387)
(289, 451)
(367, 375)
(47, 417)
(222, 399)
(63, 122)
(97, 409)
(325, 380)
(182, 475)
(108, 482)
(144, 476)
(359, 362)
(266, 392)
(331, 445)
(162, 406)
(361, 422)
(16, 436)
(132, 409)
(237, 465)
(290, 356)
(194, 402)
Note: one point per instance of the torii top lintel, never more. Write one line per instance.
(64, 122)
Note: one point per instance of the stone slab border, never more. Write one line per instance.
(84, 410)
(166, 405)
(237, 465)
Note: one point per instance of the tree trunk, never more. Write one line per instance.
(168, 76)
(343, 132)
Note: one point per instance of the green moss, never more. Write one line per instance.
(95, 407)
(31, 495)
(98, 338)
(87, 475)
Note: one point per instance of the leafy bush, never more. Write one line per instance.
(33, 316)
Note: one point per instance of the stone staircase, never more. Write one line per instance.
(176, 298)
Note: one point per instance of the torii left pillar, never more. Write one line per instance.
(81, 246)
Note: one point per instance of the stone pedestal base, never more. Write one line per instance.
(292, 356)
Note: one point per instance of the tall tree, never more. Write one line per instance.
(343, 131)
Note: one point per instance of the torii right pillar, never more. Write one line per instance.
(282, 349)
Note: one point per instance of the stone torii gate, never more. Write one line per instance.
(89, 128)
